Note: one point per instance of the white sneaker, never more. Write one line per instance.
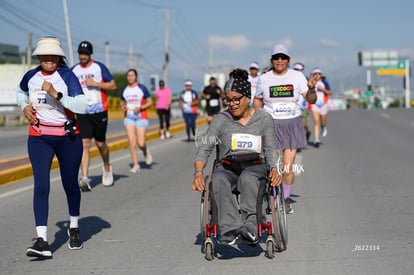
(167, 134)
(135, 169)
(84, 184)
(162, 137)
(324, 132)
(148, 158)
(107, 177)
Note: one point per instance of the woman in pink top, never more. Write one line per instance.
(163, 98)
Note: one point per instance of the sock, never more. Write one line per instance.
(74, 222)
(42, 232)
(286, 190)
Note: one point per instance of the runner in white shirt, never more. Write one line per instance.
(278, 92)
(320, 108)
(253, 79)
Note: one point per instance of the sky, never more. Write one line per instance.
(219, 35)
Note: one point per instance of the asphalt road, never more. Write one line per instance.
(354, 211)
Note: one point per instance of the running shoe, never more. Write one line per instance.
(289, 209)
(107, 177)
(229, 238)
(324, 132)
(135, 169)
(84, 184)
(40, 248)
(317, 143)
(162, 136)
(74, 239)
(247, 235)
(148, 158)
(167, 134)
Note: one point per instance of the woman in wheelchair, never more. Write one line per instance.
(246, 152)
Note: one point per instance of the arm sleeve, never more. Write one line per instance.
(22, 95)
(75, 101)
(76, 104)
(22, 99)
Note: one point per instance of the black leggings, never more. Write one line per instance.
(164, 114)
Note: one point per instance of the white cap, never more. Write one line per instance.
(298, 66)
(48, 46)
(188, 83)
(317, 71)
(254, 65)
(280, 49)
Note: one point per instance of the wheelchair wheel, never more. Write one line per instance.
(281, 220)
(202, 221)
(209, 251)
(270, 249)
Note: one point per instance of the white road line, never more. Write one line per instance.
(92, 167)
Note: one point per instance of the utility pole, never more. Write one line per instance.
(29, 50)
(68, 34)
(210, 60)
(166, 41)
(107, 53)
(131, 58)
(407, 84)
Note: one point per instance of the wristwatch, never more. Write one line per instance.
(59, 96)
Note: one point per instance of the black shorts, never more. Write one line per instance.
(211, 111)
(93, 125)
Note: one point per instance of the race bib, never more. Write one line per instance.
(214, 102)
(246, 142)
(188, 97)
(41, 100)
(283, 109)
(131, 107)
(92, 98)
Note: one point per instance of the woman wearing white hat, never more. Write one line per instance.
(49, 96)
(278, 92)
(188, 104)
(320, 108)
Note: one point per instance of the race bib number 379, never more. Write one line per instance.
(246, 142)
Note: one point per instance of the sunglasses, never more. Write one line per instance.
(235, 100)
(280, 56)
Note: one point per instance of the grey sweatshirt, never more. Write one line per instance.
(224, 125)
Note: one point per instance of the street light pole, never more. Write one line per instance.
(407, 84)
(68, 34)
(166, 38)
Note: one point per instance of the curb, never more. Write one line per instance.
(14, 174)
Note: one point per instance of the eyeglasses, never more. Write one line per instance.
(280, 56)
(235, 100)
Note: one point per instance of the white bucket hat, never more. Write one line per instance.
(48, 46)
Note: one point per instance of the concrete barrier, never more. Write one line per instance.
(115, 143)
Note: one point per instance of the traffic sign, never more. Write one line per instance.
(378, 58)
(397, 70)
(391, 71)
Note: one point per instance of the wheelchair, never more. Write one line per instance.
(272, 230)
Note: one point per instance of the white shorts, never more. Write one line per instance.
(323, 110)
